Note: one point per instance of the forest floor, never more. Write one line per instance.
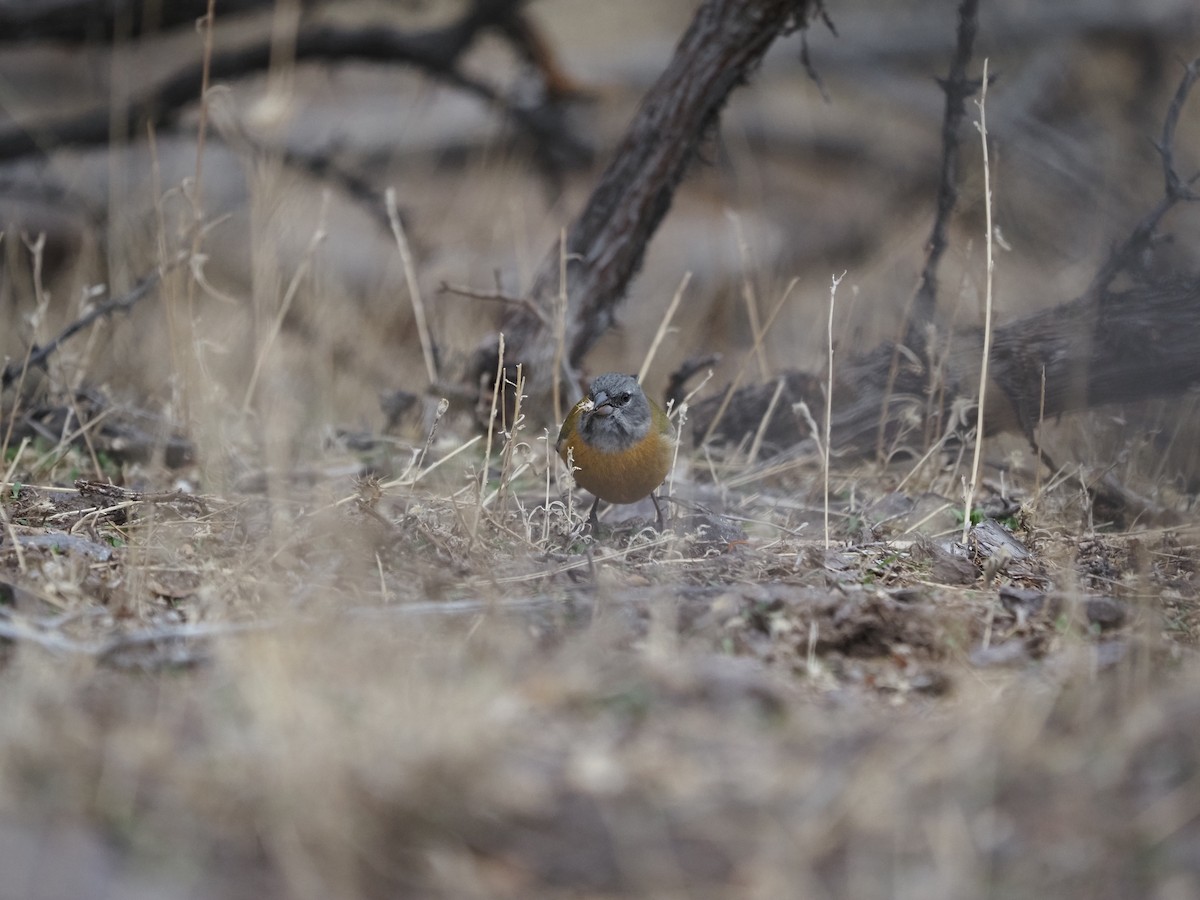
(424, 682)
(394, 665)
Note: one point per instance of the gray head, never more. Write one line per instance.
(620, 416)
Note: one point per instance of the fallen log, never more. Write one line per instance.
(1112, 347)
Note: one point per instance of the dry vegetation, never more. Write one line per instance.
(255, 642)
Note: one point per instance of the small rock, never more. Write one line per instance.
(933, 682)
(1009, 653)
(1022, 602)
(1105, 612)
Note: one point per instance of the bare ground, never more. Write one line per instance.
(326, 690)
(304, 663)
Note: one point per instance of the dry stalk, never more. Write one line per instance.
(737, 378)
(760, 432)
(806, 413)
(933, 448)
(560, 327)
(442, 407)
(681, 418)
(12, 466)
(811, 666)
(8, 475)
(837, 279)
(748, 295)
(687, 399)
(54, 455)
(987, 313)
(466, 445)
(205, 26)
(13, 541)
(481, 485)
(549, 469)
(384, 594)
(663, 326)
(915, 528)
(404, 480)
(510, 438)
(289, 296)
(85, 430)
(175, 339)
(1037, 444)
(414, 288)
(39, 315)
(497, 296)
(195, 196)
(570, 486)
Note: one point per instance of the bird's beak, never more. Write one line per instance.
(602, 405)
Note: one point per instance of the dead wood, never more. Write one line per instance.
(80, 21)
(1104, 347)
(37, 356)
(957, 87)
(1117, 347)
(434, 51)
(606, 243)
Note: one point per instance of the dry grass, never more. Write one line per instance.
(311, 663)
(380, 697)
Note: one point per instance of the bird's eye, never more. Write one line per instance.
(625, 397)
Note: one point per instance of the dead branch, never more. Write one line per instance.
(606, 243)
(1124, 258)
(121, 432)
(523, 303)
(1114, 348)
(1103, 347)
(38, 355)
(80, 21)
(435, 51)
(957, 88)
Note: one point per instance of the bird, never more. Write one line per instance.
(619, 441)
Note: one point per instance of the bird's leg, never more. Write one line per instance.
(658, 519)
(593, 519)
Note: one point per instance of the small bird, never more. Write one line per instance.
(620, 442)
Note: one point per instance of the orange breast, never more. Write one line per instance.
(623, 477)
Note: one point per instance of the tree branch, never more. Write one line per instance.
(605, 245)
(435, 51)
(957, 88)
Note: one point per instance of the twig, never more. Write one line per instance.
(437, 52)
(663, 326)
(406, 482)
(285, 304)
(1175, 189)
(607, 241)
(957, 88)
(206, 27)
(414, 289)
(510, 436)
(46, 635)
(829, 400)
(756, 443)
(12, 535)
(987, 313)
(737, 378)
(680, 377)
(487, 451)
(39, 355)
(749, 300)
(561, 302)
(85, 21)
(495, 297)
